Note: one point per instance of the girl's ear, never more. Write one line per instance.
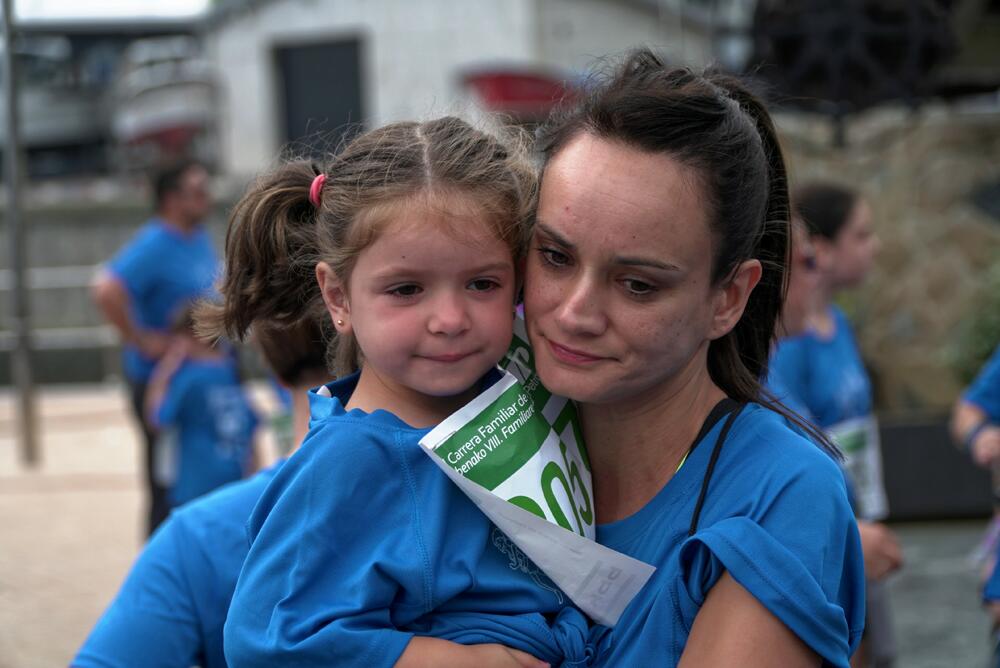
(334, 297)
(731, 298)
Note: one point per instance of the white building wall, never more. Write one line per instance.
(411, 54)
(575, 34)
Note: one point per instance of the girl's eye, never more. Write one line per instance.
(408, 290)
(553, 257)
(638, 288)
(483, 285)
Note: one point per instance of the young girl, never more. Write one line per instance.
(409, 240)
(204, 422)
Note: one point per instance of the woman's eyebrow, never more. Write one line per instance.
(646, 262)
(628, 261)
(558, 238)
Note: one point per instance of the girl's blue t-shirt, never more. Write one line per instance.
(206, 427)
(361, 542)
(825, 377)
(776, 517)
(985, 389)
(171, 608)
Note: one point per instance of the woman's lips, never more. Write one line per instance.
(572, 355)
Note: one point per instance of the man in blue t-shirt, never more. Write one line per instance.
(169, 262)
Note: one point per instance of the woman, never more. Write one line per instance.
(824, 370)
(653, 287)
(817, 370)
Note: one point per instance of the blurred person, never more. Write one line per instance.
(798, 306)
(169, 262)
(975, 419)
(170, 611)
(975, 428)
(203, 420)
(819, 372)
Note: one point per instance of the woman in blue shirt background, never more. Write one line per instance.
(823, 370)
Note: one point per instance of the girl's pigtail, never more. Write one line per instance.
(270, 257)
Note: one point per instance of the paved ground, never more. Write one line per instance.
(69, 530)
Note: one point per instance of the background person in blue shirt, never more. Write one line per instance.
(652, 291)
(170, 610)
(363, 552)
(800, 299)
(975, 419)
(823, 371)
(203, 419)
(975, 427)
(169, 262)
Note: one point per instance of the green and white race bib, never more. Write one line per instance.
(516, 451)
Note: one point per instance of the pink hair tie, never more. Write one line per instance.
(316, 188)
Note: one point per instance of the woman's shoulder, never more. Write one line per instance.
(763, 444)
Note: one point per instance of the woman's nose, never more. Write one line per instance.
(581, 310)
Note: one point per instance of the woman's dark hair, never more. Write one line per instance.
(712, 123)
(277, 234)
(825, 207)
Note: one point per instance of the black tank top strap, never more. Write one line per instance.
(724, 407)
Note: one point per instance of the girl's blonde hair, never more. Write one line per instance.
(276, 235)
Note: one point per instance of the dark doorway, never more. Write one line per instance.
(320, 86)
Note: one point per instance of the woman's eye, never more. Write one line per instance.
(638, 288)
(483, 285)
(553, 257)
(408, 290)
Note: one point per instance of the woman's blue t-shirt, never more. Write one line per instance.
(776, 517)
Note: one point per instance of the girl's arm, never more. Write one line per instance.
(971, 431)
(160, 380)
(734, 629)
(423, 652)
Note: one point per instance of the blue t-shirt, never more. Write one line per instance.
(776, 517)
(779, 388)
(360, 542)
(170, 610)
(985, 389)
(825, 376)
(206, 429)
(162, 269)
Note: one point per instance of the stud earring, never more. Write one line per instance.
(340, 323)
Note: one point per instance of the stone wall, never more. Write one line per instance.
(919, 170)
